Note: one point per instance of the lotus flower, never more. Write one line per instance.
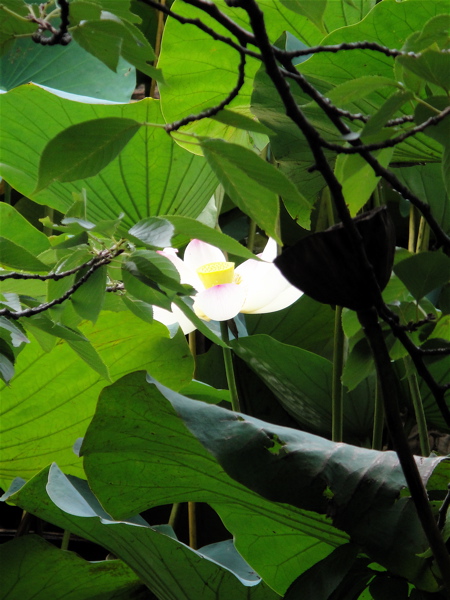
(223, 291)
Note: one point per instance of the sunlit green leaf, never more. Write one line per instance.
(50, 402)
(124, 185)
(148, 443)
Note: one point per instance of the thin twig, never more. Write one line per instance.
(103, 258)
(364, 45)
(53, 276)
(246, 36)
(441, 237)
(432, 121)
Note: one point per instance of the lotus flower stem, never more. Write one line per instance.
(229, 369)
(337, 391)
(378, 419)
(418, 407)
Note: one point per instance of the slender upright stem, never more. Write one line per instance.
(336, 390)
(418, 407)
(192, 518)
(65, 540)
(229, 369)
(378, 419)
(159, 33)
(174, 514)
(251, 235)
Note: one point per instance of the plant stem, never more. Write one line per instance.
(159, 33)
(369, 321)
(7, 189)
(65, 540)
(229, 369)
(192, 525)
(423, 236)
(418, 408)
(336, 390)
(174, 514)
(378, 419)
(412, 229)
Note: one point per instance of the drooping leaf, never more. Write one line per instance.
(185, 229)
(53, 573)
(251, 182)
(83, 150)
(169, 568)
(88, 298)
(120, 455)
(358, 178)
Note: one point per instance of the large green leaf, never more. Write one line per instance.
(302, 382)
(169, 568)
(192, 60)
(67, 68)
(140, 455)
(53, 573)
(142, 181)
(351, 482)
(50, 402)
(306, 324)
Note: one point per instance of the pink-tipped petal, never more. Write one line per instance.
(221, 302)
(187, 275)
(200, 253)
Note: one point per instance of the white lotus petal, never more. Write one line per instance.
(169, 318)
(200, 253)
(187, 275)
(283, 300)
(221, 302)
(264, 284)
(269, 253)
